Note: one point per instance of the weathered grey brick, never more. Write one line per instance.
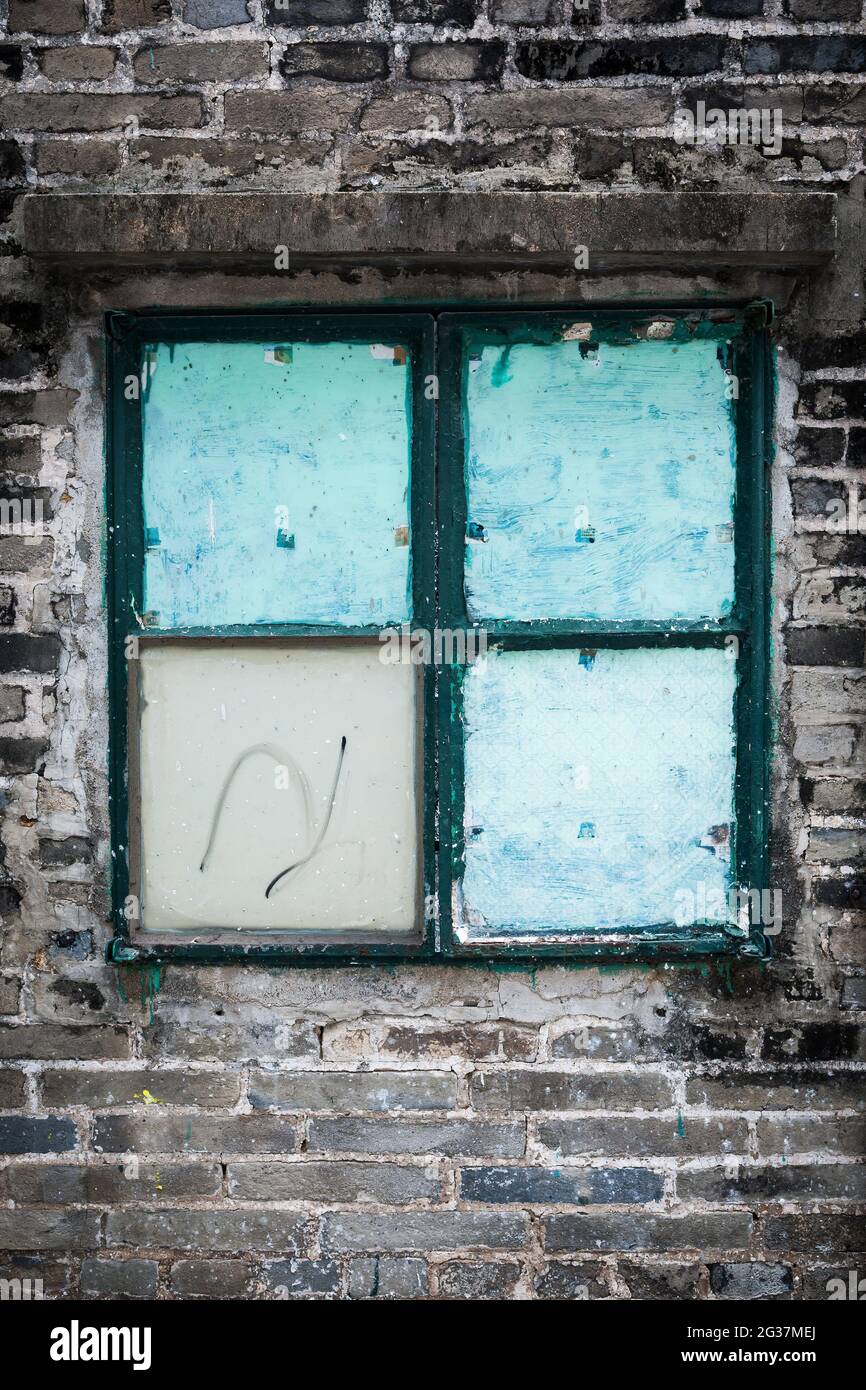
(749, 1281)
(46, 16)
(659, 1282)
(456, 62)
(286, 113)
(452, 1138)
(547, 1090)
(637, 1231)
(381, 1277)
(563, 1186)
(786, 1182)
(210, 1279)
(336, 62)
(180, 1228)
(215, 14)
(817, 1234)
(362, 1090)
(295, 1278)
(622, 1135)
(335, 1181)
(85, 111)
(200, 62)
(234, 1040)
(25, 1229)
(151, 1133)
(118, 1182)
(563, 1280)
(44, 1134)
(11, 709)
(806, 1089)
(57, 1042)
(234, 156)
(403, 111)
(134, 14)
(119, 1278)
(73, 157)
(12, 1090)
(478, 1279)
(422, 1230)
(206, 1088)
(78, 63)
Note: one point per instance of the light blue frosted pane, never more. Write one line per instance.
(603, 482)
(599, 790)
(276, 484)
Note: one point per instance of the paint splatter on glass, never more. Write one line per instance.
(600, 481)
(596, 790)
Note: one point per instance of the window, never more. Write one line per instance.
(438, 636)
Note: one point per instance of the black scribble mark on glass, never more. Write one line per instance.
(283, 759)
(324, 826)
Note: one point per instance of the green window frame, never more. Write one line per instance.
(438, 521)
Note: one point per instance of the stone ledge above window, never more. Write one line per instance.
(623, 231)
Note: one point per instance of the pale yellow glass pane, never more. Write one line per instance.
(244, 774)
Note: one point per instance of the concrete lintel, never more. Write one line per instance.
(621, 230)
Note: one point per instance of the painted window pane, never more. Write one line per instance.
(261, 757)
(600, 481)
(276, 483)
(599, 790)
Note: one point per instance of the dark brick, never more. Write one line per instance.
(478, 1279)
(849, 350)
(300, 12)
(847, 893)
(825, 646)
(214, 14)
(21, 455)
(10, 900)
(78, 63)
(452, 1137)
(574, 1282)
(544, 1090)
(749, 1281)
(785, 1134)
(856, 457)
(23, 1134)
(838, 795)
(833, 400)
(795, 1089)
(439, 12)
(817, 1234)
(636, 1231)
(217, 1134)
(53, 1042)
(12, 706)
(22, 755)
(819, 448)
(786, 1182)
(422, 1230)
(11, 62)
(363, 1090)
(8, 604)
(645, 11)
(731, 9)
(210, 1279)
(75, 849)
(46, 16)
(295, 1278)
(10, 994)
(545, 60)
(12, 163)
(333, 1181)
(23, 1229)
(119, 1278)
(210, 1089)
(74, 157)
(633, 1137)
(21, 652)
(659, 1282)
(134, 14)
(456, 62)
(812, 1042)
(12, 1090)
(85, 111)
(476, 1042)
(338, 62)
(836, 101)
(523, 12)
(823, 9)
(75, 1184)
(201, 62)
(181, 1228)
(829, 53)
(232, 156)
(381, 1277)
(818, 497)
(576, 1186)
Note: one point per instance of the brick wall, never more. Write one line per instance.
(450, 1132)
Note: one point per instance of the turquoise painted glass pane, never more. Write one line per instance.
(599, 791)
(276, 483)
(600, 483)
